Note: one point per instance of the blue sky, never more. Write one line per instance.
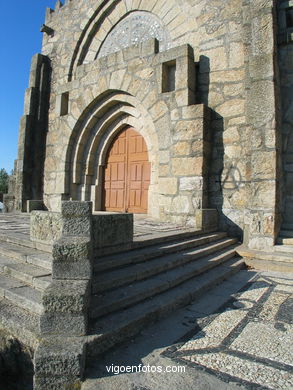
(20, 39)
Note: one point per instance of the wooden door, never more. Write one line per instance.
(127, 174)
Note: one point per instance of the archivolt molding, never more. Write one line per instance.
(107, 16)
(95, 130)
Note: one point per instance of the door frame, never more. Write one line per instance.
(127, 171)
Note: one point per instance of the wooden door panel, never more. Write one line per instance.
(122, 146)
(107, 198)
(120, 199)
(127, 174)
(121, 171)
(138, 157)
(144, 199)
(131, 198)
(136, 172)
(135, 185)
(138, 144)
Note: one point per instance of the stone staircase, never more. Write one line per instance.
(129, 290)
(135, 288)
(286, 235)
(24, 274)
(279, 258)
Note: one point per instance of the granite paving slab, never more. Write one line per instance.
(250, 339)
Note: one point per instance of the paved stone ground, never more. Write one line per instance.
(14, 223)
(238, 336)
(147, 228)
(17, 225)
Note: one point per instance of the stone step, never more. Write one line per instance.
(285, 240)
(146, 253)
(134, 272)
(32, 275)
(26, 255)
(284, 248)
(18, 239)
(21, 294)
(21, 323)
(6, 261)
(116, 327)
(264, 265)
(267, 261)
(156, 239)
(125, 296)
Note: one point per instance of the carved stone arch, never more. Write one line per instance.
(103, 20)
(94, 132)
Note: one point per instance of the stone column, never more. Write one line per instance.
(33, 128)
(262, 216)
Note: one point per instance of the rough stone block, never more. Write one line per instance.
(76, 217)
(54, 382)
(261, 242)
(66, 324)
(76, 209)
(72, 249)
(112, 229)
(61, 357)
(232, 107)
(149, 47)
(75, 226)
(66, 296)
(188, 130)
(191, 183)
(45, 226)
(181, 148)
(194, 111)
(72, 258)
(187, 166)
(181, 205)
(168, 185)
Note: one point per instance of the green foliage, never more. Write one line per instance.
(3, 180)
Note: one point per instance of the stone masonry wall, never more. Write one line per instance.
(215, 33)
(126, 89)
(233, 43)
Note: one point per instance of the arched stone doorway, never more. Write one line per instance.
(127, 174)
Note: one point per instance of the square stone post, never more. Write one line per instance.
(66, 300)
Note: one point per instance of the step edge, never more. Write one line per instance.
(206, 252)
(24, 302)
(153, 315)
(98, 266)
(165, 286)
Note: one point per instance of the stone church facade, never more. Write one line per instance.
(179, 109)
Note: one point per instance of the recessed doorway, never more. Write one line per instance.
(127, 174)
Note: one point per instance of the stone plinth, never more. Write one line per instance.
(110, 229)
(45, 228)
(8, 201)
